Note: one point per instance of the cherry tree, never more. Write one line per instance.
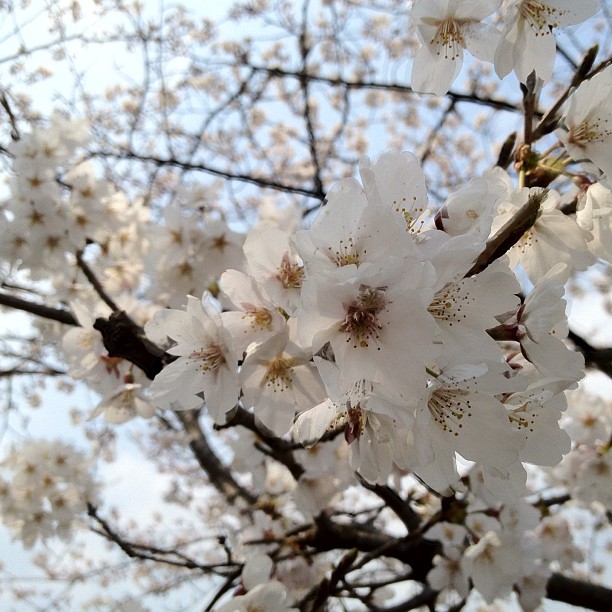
(314, 260)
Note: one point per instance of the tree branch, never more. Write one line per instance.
(378, 85)
(230, 176)
(218, 474)
(510, 233)
(47, 312)
(600, 358)
(579, 593)
(146, 552)
(95, 283)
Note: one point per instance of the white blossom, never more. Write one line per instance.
(528, 43)
(587, 120)
(446, 28)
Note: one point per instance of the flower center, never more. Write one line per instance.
(361, 323)
(410, 214)
(356, 420)
(587, 132)
(447, 304)
(346, 253)
(278, 374)
(211, 356)
(261, 318)
(448, 37)
(290, 274)
(448, 407)
(519, 419)
(539, 16)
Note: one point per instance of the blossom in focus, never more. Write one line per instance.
(459, 413)
(535, 414)
(542, 326)
(363, 312)
(552, 239)
(272, 261)
(594, 214)
(251, 317)
(372, 424)
(527, 41)
(279, 379)
(446, 28)
(205, 364)
(587, 119)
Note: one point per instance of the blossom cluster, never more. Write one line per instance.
(49, 490)
(524, 43)
(372, 322)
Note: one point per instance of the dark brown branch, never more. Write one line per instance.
(529, 107)
(277, 448)
(147, 552)
(12, 119)
(510, 233)
(218, 474)
(95, 283)
(400, 506)
(305, 87)
(123, 338)
(433, 132)
(600, 358)
(49, 371)
(579, 593)
(47, 312)
(418, 553)
(322, 591)
(245, 178)
(395, 87)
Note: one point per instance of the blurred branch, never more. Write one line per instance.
(579, 593)
(600, 358)
(400, 506)
(219, 475)
(47, 312)
(472, 98)
(277, 448)
(146, 552)
(95, 283)
(246, 178)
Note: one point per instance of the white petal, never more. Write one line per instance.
(312, 424)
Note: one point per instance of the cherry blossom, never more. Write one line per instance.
(125, 403)
(588, 122)
(459, 413)
(49, 490)
(446, 28)
(279, 379)
(370, 422)
(272, 261)
(205, 370)
(594, 214)
(251, 317)
(528, 43)
(553, 238)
